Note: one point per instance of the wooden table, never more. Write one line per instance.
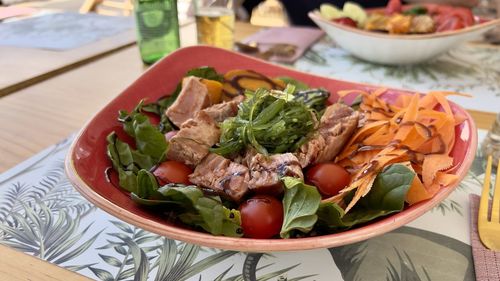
(34, 65)
(42, 114)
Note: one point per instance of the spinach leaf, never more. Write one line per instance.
(417, 10)
(190, 205)
(214, 218)
(160, 106)
(206, 72)
(127, 162)
(147, 185)
(387, 196)
(149, 140)
(299, 85)
(300, 204)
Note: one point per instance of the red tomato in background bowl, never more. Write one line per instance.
(346, 21)
(450, 17)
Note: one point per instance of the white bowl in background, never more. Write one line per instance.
(393, 49)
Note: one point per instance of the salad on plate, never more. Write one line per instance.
(241, 154)
(396, 18)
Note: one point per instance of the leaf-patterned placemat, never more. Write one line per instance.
(469, 68)
(41, 214)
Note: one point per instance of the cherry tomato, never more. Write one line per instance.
(172, 172)
(261, 216)
(153, 118)
(329, 178)
(394, 6)
(346, 21)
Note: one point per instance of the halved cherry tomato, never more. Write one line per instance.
(329, 178)
(394, 6)
(346, 21)
(172, 172)
(261, 216)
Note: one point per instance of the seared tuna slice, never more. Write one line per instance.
(219, 112)
(193, 140)
(192, 98)
(225, 177)
(266, 171)
(337, 125)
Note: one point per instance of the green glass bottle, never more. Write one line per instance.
(157, 28)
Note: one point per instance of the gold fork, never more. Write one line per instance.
(489, 229)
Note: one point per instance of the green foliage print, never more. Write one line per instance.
(44, 219)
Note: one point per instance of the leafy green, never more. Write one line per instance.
(357, 102)
(313, 98)
(417, 10)
(206, 72)
(299, 85)
(267, 121)
(160, 106)
(300, 203)
(386, 196)
(191, 206)
(213, 217)
(148, 139)
(146, 183)
(127, 162)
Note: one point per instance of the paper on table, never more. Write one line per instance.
(62, 31)
(15, 11)
(302, 37)
(486, 262)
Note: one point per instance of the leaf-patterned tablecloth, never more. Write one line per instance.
(41, 213)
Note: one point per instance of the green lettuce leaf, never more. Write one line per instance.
(160, 106)
(190, 205)
(300, 204)
(299, 85)
(148, 138)
(127, 162)
(387, 196)
(206, 72)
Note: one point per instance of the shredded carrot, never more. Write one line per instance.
(416, 130)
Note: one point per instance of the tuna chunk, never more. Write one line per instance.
(266, 171)
(225, 177)
(190, 145)
(337, 125)
(219, 112)
(192, 98)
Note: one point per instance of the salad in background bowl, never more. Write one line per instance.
(239, 157)
(400, 34)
